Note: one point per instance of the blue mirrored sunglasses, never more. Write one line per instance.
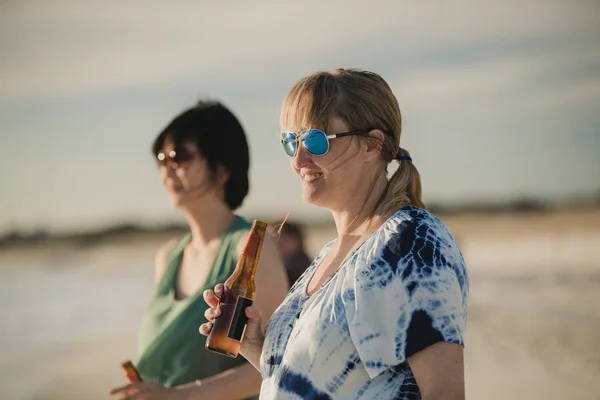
(315, 141)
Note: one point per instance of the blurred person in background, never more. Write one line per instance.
(290, 243)
(203, 162)
(381, 312)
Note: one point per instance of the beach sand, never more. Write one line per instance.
(70, 314)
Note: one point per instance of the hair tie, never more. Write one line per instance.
(401, 156)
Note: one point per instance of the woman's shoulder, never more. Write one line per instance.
(411, 223)
(239, 231)
(413, 236)
(410, 215)
(240, 225)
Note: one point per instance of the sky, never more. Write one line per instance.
(500, 100)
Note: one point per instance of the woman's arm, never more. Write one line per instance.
(240, 382)
(421, 271)
(439, 371)
(272, 286)
(235, 383)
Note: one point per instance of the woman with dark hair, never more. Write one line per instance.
(203, 162)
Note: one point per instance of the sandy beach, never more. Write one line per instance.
(70, 314)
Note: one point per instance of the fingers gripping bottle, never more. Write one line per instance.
(239, 291)
(130, 372)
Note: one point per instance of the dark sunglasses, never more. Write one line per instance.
(174, 159)
(315, 141)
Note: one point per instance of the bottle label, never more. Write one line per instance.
(239, 319)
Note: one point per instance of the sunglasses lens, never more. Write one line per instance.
(161, 159)
(174, 159)
(316, 142)
(288, 141)
(182, 157)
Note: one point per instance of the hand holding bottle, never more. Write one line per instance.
(253, 338)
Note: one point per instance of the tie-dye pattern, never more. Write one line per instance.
(404, 289)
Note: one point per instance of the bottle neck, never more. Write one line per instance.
(251, 254)
(242, 280)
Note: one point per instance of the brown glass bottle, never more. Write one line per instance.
(239, 291)
(131, 373)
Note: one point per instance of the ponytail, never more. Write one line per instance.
(403, 189)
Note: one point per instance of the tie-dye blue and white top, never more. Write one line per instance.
(404, 289)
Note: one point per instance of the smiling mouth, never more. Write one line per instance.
(311, 177)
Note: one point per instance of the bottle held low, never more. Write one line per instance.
(130, 372)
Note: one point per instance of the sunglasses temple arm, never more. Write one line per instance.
(336, 135)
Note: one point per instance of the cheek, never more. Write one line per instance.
(330, 162)
(193, 175)
(293, 166)
(181, 172)
(339, 158)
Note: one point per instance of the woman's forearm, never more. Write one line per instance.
(235, 383)
(252, 352)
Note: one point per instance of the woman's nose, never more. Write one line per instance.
(166, 171)
(301, 157)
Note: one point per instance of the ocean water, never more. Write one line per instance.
(69, 319)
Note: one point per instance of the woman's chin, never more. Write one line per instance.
(312, 196)
(178, 200)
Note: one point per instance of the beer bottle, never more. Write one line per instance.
(130, 372)
(239, 291)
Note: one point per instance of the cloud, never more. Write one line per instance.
(71, 48)
(524, 81)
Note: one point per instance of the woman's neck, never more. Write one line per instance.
(356, 219)
(208, 222)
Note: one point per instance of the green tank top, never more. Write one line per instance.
(171, 348)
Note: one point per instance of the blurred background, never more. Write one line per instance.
(501, 106)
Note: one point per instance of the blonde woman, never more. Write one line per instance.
(381, 311)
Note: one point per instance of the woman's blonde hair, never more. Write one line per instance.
(364, 101)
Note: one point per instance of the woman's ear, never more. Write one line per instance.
(222, 175)
(374, 144)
